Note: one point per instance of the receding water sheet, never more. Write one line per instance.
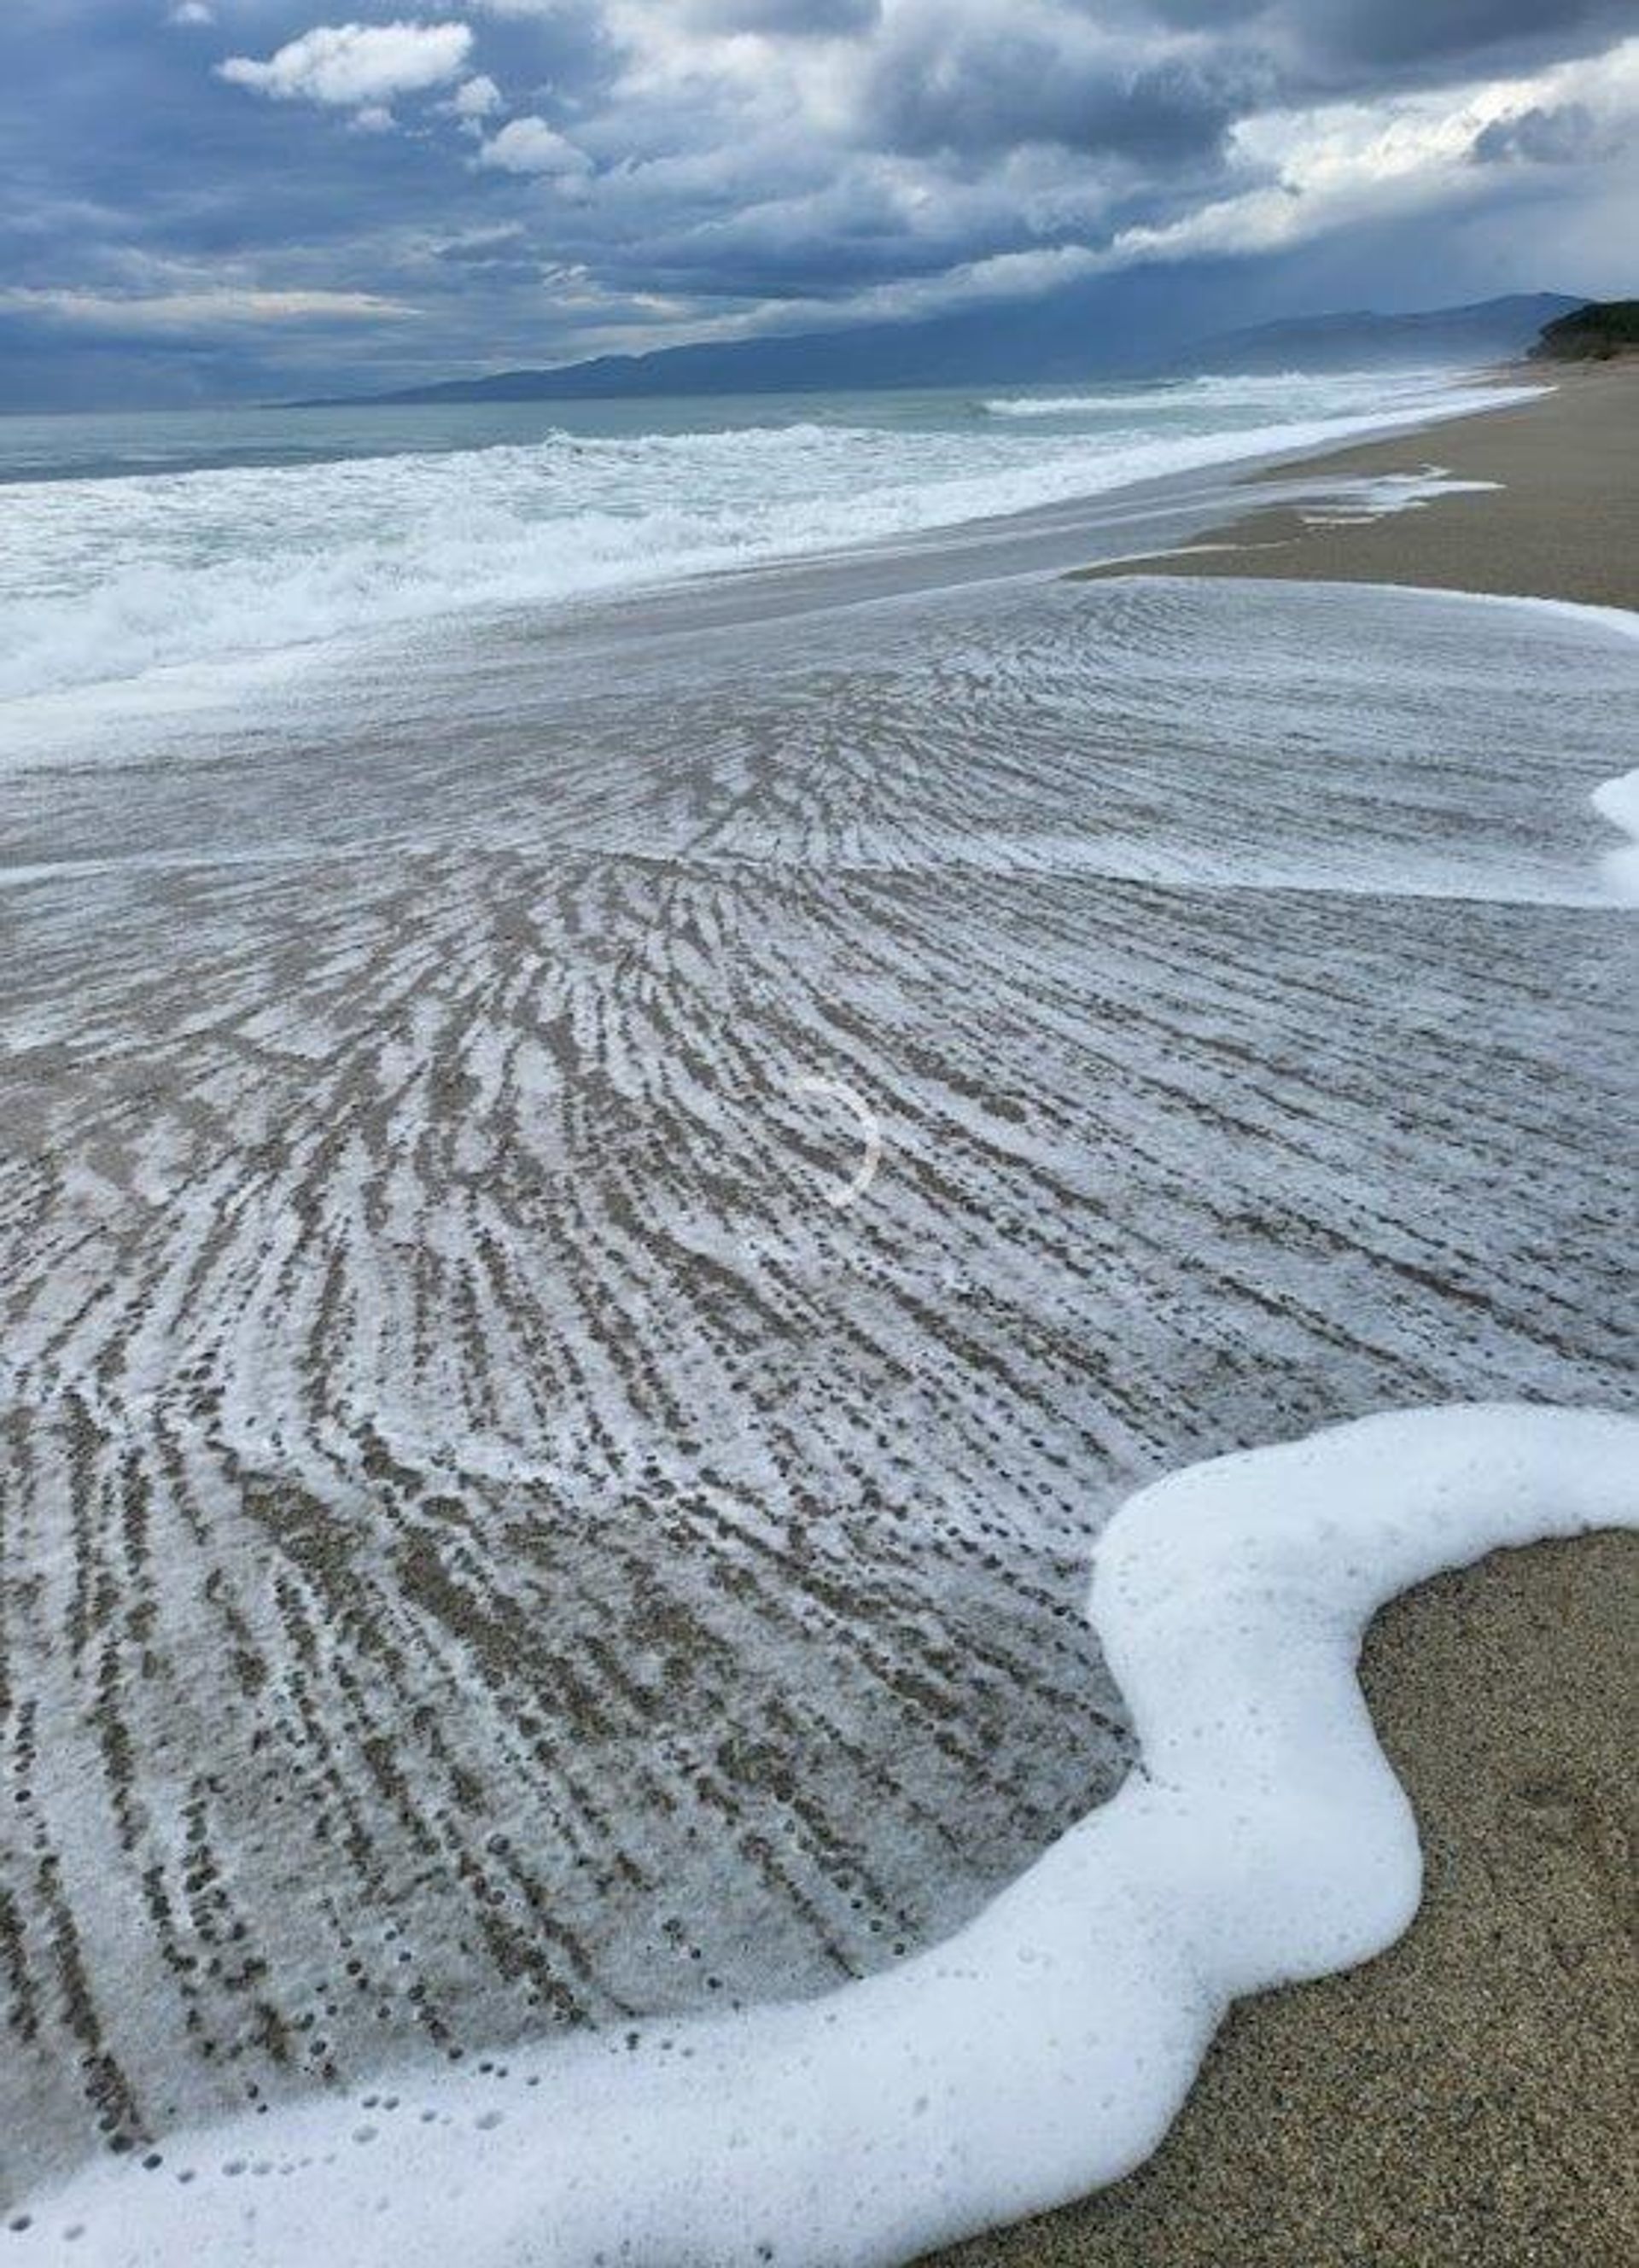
(539, 1559)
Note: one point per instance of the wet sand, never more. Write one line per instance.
(487, 1545)
(1562, 522)
(1464, 2099)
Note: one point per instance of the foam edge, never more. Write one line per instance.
(1038, 2054)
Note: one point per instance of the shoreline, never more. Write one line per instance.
(1461, 2098)
(1555, 518)
(1288, 1286)
(1051, 2042)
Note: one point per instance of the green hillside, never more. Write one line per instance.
(1592, 333)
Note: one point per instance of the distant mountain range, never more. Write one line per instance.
(1485, 331)
(1034, 344)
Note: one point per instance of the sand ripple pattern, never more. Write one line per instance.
(484, 1543)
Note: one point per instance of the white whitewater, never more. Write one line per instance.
(127, 580)
(1043, 2050)
(1616, 801)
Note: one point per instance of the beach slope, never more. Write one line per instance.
(1463, 2099)
(1558, 517)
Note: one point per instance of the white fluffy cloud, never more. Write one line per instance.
(356, 66)
(476, 98)
(1328, 168)
(530, 145)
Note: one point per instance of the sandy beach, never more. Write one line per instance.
(491, 1548)
(1561, 521)
(1464, 2099)
(819, 1047)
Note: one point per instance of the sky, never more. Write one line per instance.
(210, 199)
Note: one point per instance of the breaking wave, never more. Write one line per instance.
(109, 579)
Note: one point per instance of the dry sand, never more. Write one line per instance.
(1563, 522)
(1466, 2098)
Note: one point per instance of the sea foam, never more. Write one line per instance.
(1616, 801)
(119, 581)
(1037, 2054)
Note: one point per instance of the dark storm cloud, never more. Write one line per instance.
(607, 172)
(796, 18)
(1567, 137)
(1463, 32)
(993, 84)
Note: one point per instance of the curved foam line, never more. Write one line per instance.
(1044, 2050)
(1622, 621)
(1617, 800)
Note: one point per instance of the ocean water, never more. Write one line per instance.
(491, 1547)
(136, 549)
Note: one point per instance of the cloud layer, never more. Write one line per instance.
(644, 170)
